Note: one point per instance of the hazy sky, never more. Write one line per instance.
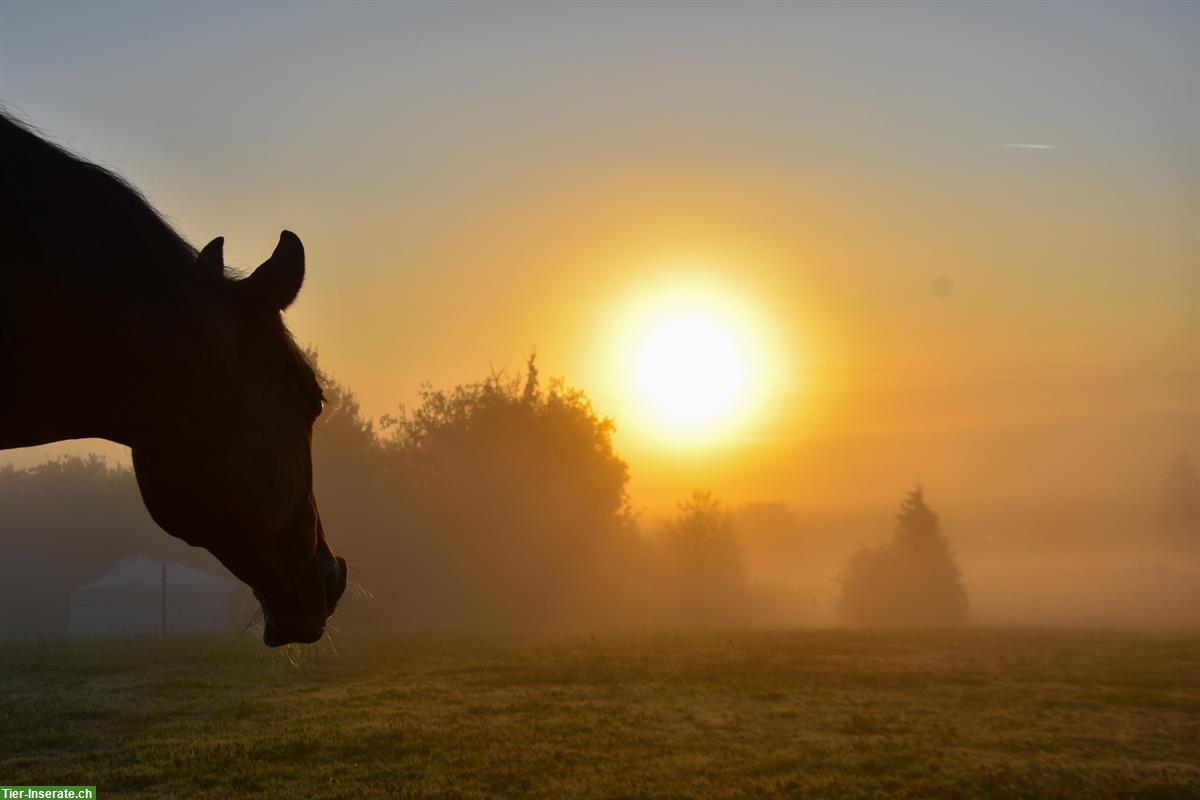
(927, 294)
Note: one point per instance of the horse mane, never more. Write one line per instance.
(86, 224)
(58, 209)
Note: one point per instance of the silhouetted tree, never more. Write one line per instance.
(511, 508)
(497, 504)
(348, 459)
(705, 563)
(912, 580)
(342, 432)
(1178, 514)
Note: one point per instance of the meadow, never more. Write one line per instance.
(835, 714)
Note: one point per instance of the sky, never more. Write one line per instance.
(954, 243)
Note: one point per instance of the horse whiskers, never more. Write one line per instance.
(296, 654)
(289, 652)
(255, 618)
(357, 589)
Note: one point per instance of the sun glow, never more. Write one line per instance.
(693, 365)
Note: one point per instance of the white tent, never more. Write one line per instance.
(141, 594)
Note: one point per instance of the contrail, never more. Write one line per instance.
(1028, 146)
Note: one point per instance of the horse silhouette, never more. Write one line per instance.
(113, 326)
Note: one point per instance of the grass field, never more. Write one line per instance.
(988, 714)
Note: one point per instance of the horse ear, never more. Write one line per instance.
(277, 281)
(211, 260)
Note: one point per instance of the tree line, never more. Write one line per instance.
(501, 504)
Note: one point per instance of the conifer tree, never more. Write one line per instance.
(912, 580)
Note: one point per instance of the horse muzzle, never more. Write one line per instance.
(322, 584)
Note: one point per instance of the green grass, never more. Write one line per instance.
(976, 714)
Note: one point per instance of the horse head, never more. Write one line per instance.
(230, 469)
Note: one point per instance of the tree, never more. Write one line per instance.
(341, 435)
(704, 563)
(348, 459)
(912, 580)
(510, 504)
(1178, 514)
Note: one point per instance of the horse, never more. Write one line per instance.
(112, 326)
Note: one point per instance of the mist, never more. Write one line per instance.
(502, 505)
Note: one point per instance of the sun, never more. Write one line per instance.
(691, 372)
(693, 363)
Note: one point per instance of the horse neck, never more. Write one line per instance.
(110, 359)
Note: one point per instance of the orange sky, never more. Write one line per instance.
(473, 185)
